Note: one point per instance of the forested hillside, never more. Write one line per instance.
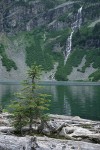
(63, 36)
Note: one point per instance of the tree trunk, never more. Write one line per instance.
(41, 127)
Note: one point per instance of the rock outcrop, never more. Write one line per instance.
(77, 134)
(42, 143)
(19, 16)
(17, 143)
(24, 24)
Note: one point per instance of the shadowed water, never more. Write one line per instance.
(74, 100)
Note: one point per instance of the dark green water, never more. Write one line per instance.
(74, 100)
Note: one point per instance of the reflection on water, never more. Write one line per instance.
(83, 92)
(66, 108)
(7, 93)
(83, 101)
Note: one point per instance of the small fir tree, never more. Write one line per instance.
(17, 107)
(30, 103)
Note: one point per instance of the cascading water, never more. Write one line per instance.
(74, 27)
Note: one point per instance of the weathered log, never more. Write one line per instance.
(51, 128)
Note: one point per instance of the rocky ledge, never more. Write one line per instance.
(67, 133)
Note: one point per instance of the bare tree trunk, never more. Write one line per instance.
(41, 127)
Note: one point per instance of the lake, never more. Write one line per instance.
(67, 98)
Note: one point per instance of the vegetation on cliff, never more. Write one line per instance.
(8, 63)
(45, 26)
(87, 39)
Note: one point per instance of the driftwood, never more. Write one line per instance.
(51, 128)
(73, 128)
(55, 130)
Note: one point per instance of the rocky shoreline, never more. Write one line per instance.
(60, 133)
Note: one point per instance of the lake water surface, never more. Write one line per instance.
(66, 99)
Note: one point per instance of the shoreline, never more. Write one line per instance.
(65, 83)
(72, 131)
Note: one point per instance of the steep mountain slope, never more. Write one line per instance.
(41, 31)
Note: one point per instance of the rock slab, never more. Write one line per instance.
(43, 143)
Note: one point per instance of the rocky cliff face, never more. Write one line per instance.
(37, 30)
(19, 16)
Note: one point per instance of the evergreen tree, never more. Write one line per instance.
(30, 103)
(17, 107)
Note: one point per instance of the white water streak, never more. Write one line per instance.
(76, 25)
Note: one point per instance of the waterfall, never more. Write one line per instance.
(75, 25)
